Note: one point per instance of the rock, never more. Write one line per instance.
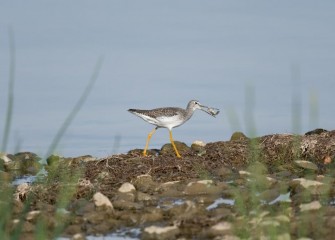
(284, 236)
(94, 217)
(201, 187)
(269, 195)
(101, 201)
(126, 188)
(144, 197)
(103, 227)
(81, 206)
(160, 233)
(327, 160)
(307, 183)
(127, 205)
(144, 183)
(198, 146)
(78, 236)
(128, 197)
(152, 215)
(316, 131)
(237, 136)
(220, 228)
(315, 205)
(4, 158)
(102, 175)
(54, 160)
(244, 173)
(21, 192)
(314, 187)
(199, 143)
(185, 211)
(168, 149)
(167, 185)
(270, 223)
(32, 215)
(84, 188)
(74, 230)
(306, 164)
(171, 189)
(14, 223)
(8, 163)
(28, 227)
(206, 199)
(85, 158)
(224, 172)
(139, 152)
(5, 176)
(206, 182)
(282, 218)
(227, 237)
(129, 217)
(29, 162)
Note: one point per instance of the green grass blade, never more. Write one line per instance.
(10, 91)
(76, 108)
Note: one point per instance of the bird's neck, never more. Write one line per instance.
(189, 112)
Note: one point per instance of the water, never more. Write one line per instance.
(121, 234)
(217, 202)
(165, 54)
(23, 179)
(281, 198)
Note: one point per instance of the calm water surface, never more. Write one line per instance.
(269, 67)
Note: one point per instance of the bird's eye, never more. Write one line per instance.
(196, 103)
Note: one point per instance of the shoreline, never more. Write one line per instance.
(215, 190)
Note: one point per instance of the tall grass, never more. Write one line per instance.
(255, 220)
(66, 182)
(6, 192)
(76, 108)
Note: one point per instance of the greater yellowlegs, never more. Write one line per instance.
(170, 117)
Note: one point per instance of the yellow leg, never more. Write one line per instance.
(174, 146)
(148, 140)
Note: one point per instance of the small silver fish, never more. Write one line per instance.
(211, 111)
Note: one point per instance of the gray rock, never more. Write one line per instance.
(144, 183)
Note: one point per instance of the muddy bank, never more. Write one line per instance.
(276, 185)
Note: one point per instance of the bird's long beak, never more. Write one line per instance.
(211, 111)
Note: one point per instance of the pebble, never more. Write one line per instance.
(126, 188)
(220, 228)
(315, 205)
(101, 200)
(160, 233)
(306, 164)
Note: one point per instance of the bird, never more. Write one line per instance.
(170, 117)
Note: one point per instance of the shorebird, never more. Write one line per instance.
(170, 117)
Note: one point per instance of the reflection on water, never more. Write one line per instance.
(23, 179)
(282, 198)
(217, 202)
(121, 234)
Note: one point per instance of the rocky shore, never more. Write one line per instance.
(279, 186)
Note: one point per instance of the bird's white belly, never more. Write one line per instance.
(169, 122)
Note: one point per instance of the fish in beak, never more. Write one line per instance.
(211, 111)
